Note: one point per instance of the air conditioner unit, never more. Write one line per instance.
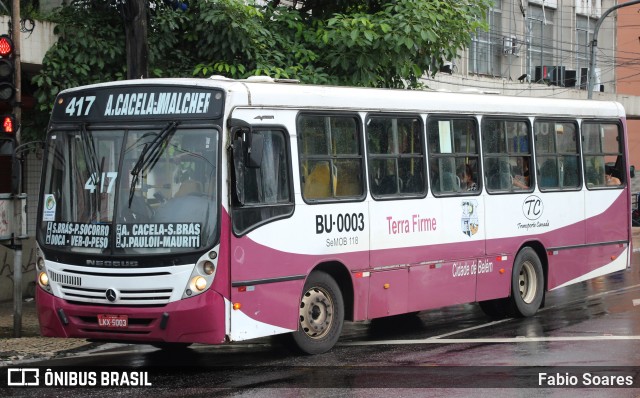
(510, 45)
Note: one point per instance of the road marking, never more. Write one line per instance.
(484, 325)
(520, 339)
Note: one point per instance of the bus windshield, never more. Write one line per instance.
(148, 191)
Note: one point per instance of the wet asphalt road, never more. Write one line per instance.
(592, 328)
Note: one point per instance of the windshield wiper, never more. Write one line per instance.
(150, 155)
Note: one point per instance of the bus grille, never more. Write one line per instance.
(124, 297)
(65, 279)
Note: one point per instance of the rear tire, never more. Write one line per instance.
(321, 314)
(527, 284)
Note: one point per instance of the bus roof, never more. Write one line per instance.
(261, 93)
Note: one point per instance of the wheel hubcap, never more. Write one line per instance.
(527, 282)
(316, 313)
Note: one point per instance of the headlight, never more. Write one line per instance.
(208, 267)
(43, 279)
(199, 283)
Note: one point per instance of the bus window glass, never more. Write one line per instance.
(603, 155)
(507, 154)
(558, 156)
(396, 156)
(331, 161)
(149, 182)
(453, 155)
(267, 190)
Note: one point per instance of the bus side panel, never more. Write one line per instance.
(607, 215)
(389, 293)
(441, 284)
(270, 265)
(575, 265)
(493, 277)
(437, 239)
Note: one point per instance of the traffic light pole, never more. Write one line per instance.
(17, 211)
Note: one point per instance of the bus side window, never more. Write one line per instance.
(396, 156)
(268, 193)
(331, 161)
(507, 154)
(603, 154)
(557, 154)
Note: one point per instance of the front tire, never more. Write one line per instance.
(527, 284)
(321, 314)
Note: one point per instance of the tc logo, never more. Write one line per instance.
(23, 377)
(532, 207)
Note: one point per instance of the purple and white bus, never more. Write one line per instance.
(182, 211)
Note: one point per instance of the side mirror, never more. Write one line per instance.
(632, 171)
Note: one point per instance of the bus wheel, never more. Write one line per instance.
(321, 315)
(527, 284)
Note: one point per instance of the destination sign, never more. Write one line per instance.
(77, 235)
(138, 103)
(158, 235)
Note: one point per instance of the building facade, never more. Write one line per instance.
(537, 48)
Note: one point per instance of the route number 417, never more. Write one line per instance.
(90, 185)
(80, 106)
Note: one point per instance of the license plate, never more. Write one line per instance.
(113, 321)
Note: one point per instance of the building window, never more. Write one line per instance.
(584, 35)
(485, 52)
(541, 46)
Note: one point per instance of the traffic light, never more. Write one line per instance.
(8, 125)
(8, 162)
(7, 69)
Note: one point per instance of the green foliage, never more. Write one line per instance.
(360, 43)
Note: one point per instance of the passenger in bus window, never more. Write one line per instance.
(521, 179)
(613, 174)
(611, 180)
(465, 174)
(610, 176)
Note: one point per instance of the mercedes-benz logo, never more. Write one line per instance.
(111, 295)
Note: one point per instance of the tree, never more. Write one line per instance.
(135, 27)
(380, 43)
